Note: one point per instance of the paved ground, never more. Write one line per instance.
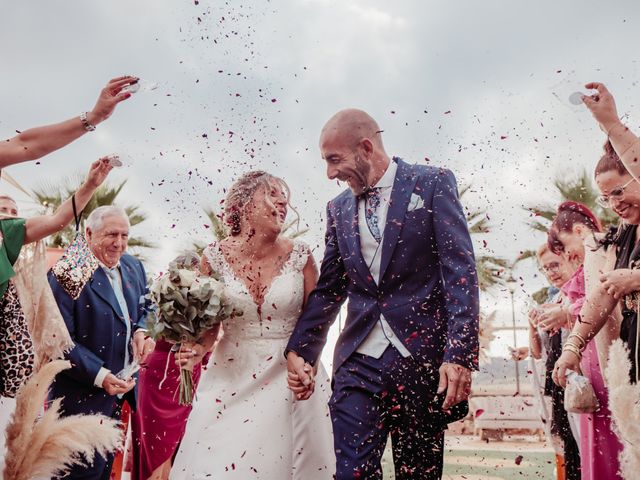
(468, 458)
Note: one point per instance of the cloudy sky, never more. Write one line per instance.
(478, 87)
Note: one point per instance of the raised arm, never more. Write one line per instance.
(624, 141)
(40, 141)
(37, 228)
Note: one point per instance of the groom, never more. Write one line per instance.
(398, 247)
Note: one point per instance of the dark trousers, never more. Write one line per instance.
(373, 398)
(561, 427)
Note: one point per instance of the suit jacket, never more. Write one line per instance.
(98, 329)
(428, 288)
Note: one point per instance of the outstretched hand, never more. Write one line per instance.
(109, 97)
(300, 376)
(456, 381)
(602, 106)
(98, 172)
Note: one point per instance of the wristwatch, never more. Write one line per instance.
(85, 123)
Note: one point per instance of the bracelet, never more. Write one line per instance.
(569, 347)
(573, 345)
(85, 123)
(583, 342)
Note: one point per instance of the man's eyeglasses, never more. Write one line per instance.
(616, 194)
(551, 267)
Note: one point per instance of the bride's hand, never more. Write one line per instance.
(300, 376)
(189, 355)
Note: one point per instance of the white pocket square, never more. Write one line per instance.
(415, 203)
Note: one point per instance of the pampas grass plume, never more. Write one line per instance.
(49, 446)
(624, 403)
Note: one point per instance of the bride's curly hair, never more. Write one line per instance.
(241, 193)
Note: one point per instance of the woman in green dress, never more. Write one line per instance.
(16, 348)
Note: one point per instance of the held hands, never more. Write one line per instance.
(456, 381)
(620, 282)
(189, 355)
(602, 106)
(142, 346)
(114, 386)
(109, 97)
(300, 377)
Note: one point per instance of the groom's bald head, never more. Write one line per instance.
(350, 126)
(351, 145)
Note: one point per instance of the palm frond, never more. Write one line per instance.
(52, 194)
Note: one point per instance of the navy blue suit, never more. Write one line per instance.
(427, 292)
(98, 329)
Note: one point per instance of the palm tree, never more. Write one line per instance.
(489, 267)
(580, 189)
(51, 196)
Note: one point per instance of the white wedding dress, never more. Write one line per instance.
(245, 423)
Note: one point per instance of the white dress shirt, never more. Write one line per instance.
(381, 335)
(103, 372)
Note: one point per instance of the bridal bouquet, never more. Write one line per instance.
(187, 305)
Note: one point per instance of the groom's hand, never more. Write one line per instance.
(456, 380)
(300, 376)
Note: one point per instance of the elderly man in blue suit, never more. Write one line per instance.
(106, 323)
(398, 248)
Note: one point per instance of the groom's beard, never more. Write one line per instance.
(359, 178)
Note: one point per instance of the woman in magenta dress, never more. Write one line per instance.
(159, 422)
(599, 446)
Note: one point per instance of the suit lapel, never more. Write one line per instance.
(348, 213)
(101, 285)
(403, 186)
(128, 288)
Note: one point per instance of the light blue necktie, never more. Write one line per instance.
(116, 283)
(372, 198)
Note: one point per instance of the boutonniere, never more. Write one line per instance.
(415, 203)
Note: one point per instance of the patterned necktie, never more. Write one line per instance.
(114, 275)
(372, 197)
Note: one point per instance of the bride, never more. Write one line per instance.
(245, 423)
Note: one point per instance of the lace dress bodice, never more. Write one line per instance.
(275, 318)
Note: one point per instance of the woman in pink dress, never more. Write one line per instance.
(599, 446)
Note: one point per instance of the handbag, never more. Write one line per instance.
(78, 263)
(579, 396)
